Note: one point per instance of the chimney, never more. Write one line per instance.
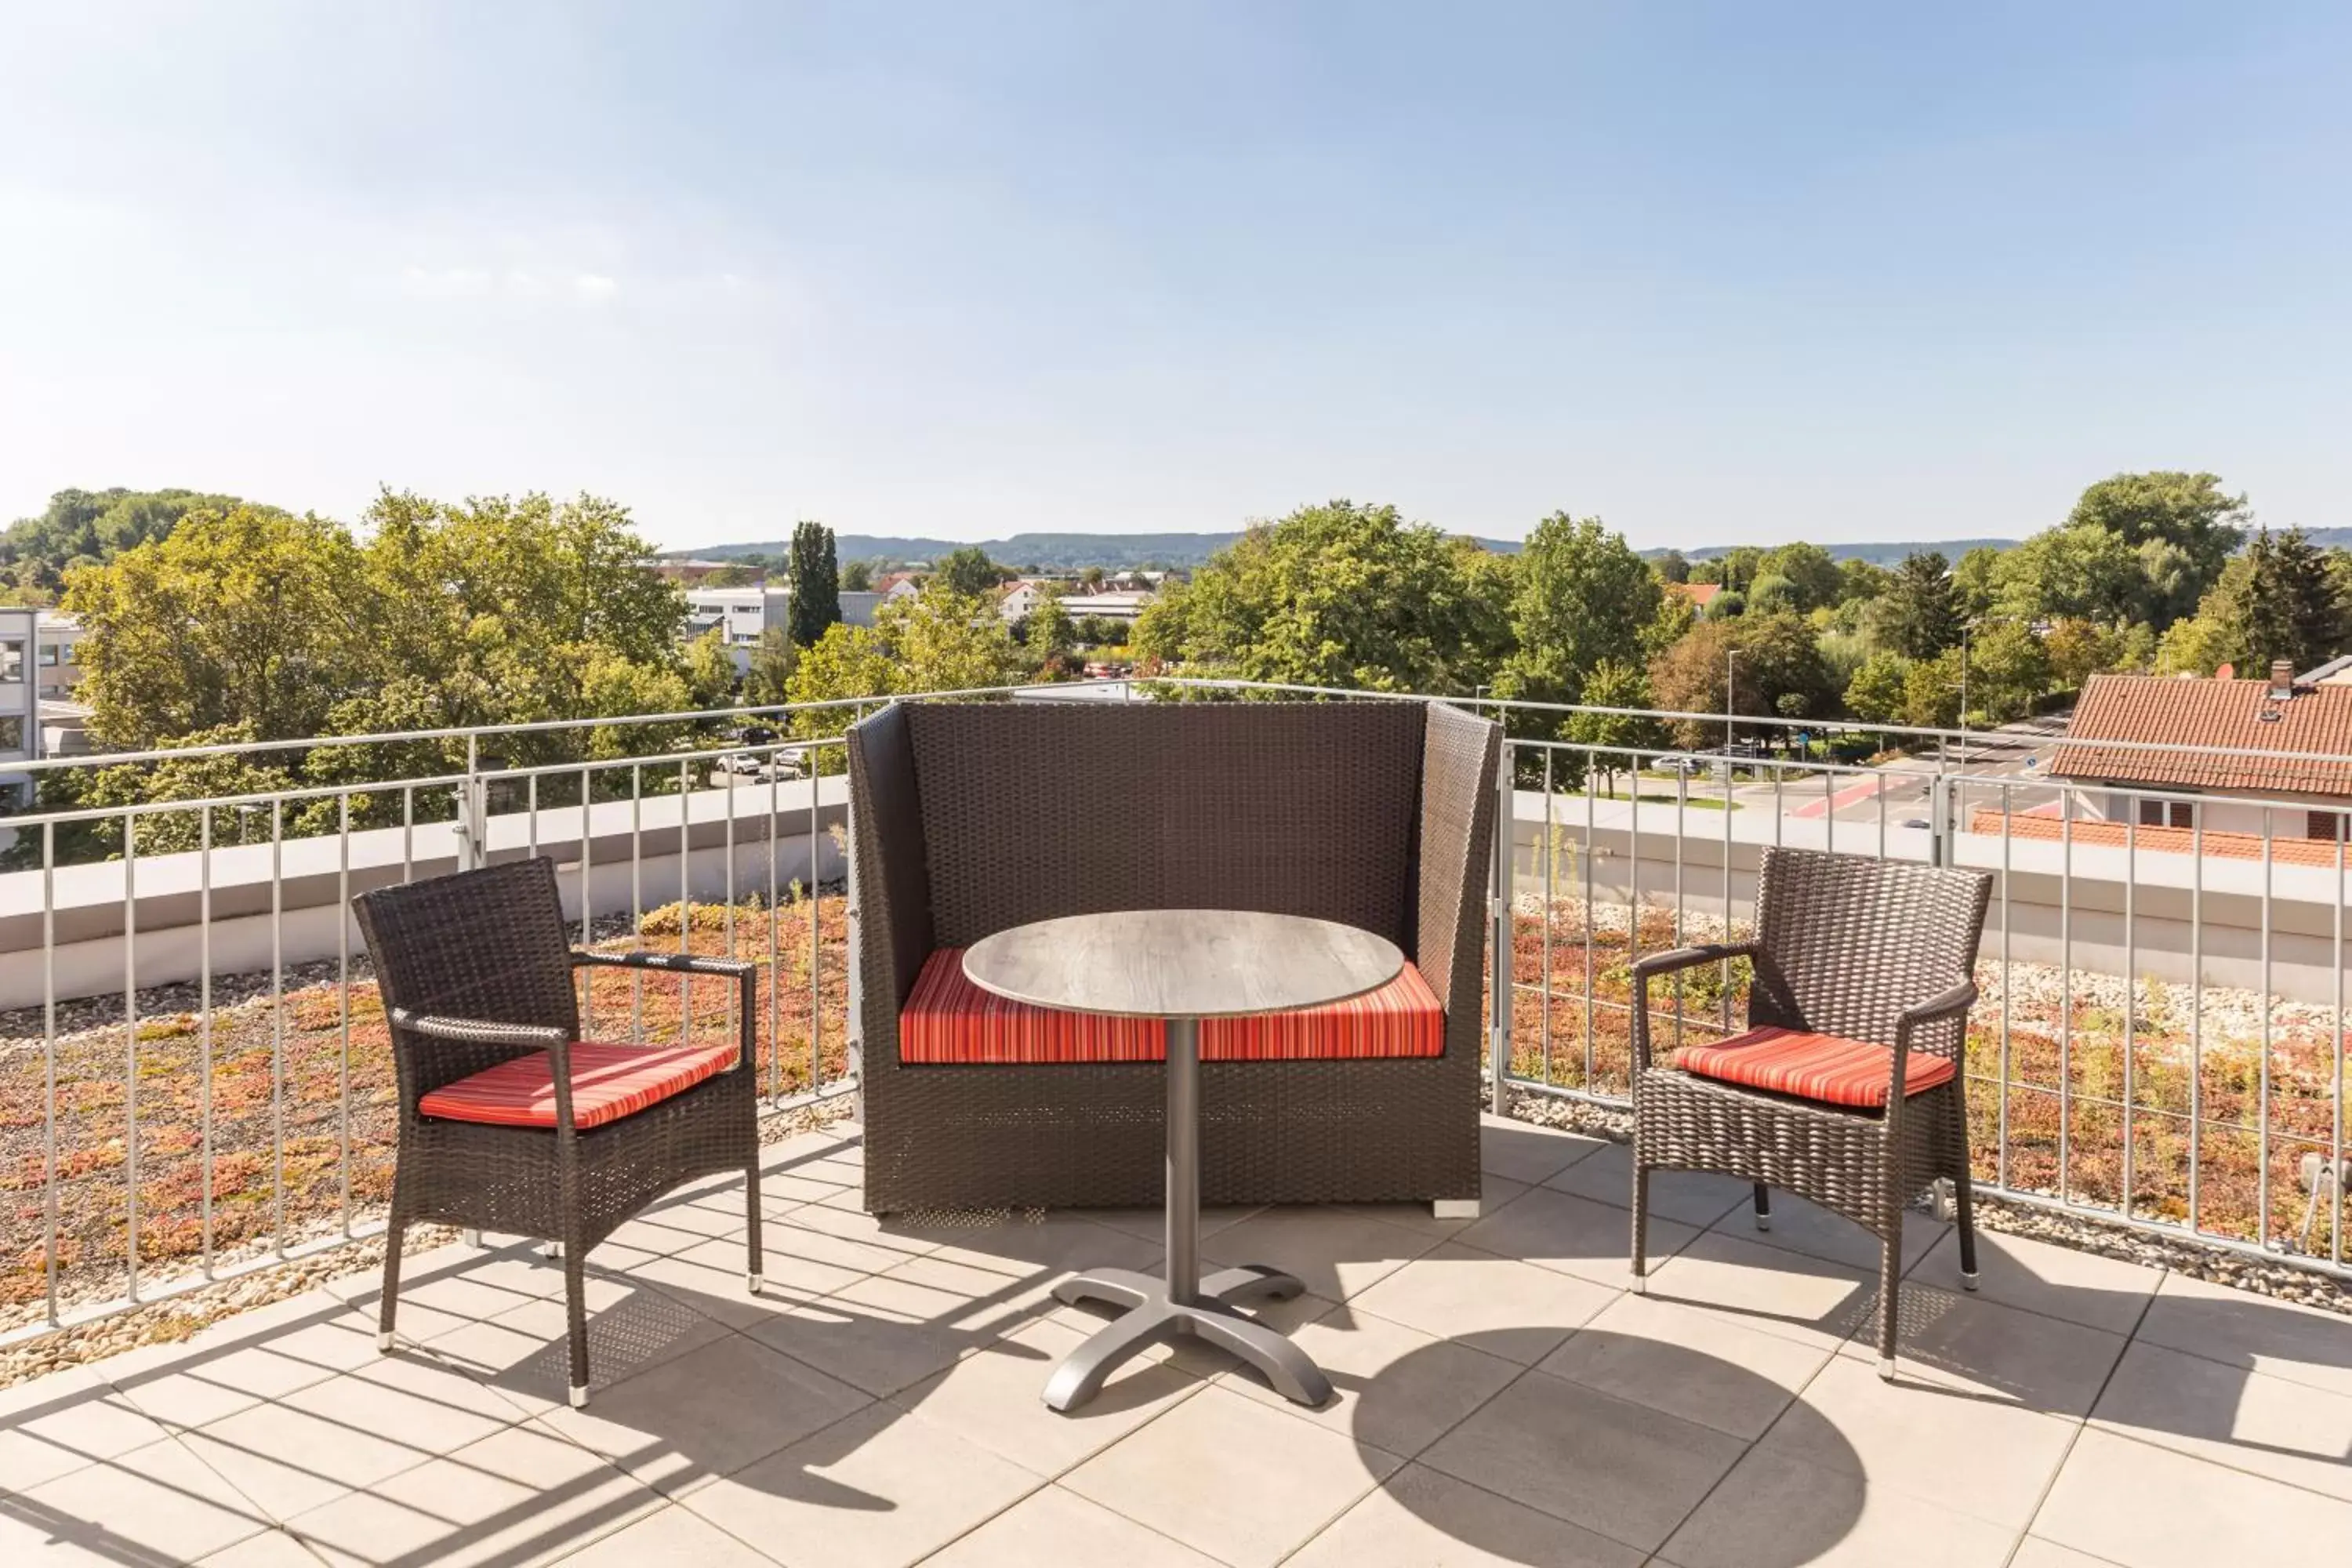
(2282, 679)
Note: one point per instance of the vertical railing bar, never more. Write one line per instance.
(775, 940)
(1498, 926)
(130, 1048)
(343, 998)
(2263, 1137)
(408, 833)
(815, 920)
(530, 811)
(277, 1018)
(2000, 1149)
(1590, 801)
(49, 1066)
(735, 1023)
(2065, 991)
(587, 920)
(1682, 831)
(1829, 811)
(205, 1017)
(1550, 900)
(1723, 984)
(2131, 1001)
(685, 900)
(637, 898)
(2196, 1011)
(2336, 1165)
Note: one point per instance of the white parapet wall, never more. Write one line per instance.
(86, 931)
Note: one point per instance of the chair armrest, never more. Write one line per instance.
(522, 1037)
(1649, 968)
(890, 931)
(744, 973)
(688, 963)
(1958, 999)
(1689, 958)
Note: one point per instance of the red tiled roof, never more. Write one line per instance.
(1699, 594)
(2165, 712)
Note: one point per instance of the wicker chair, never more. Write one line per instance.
(476, 979)
(968, 818)
(1861, 981)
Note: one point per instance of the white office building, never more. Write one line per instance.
(740, 613)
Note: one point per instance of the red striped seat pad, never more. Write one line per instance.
(1827, 1067)
(608, 1082)
(948, 1020)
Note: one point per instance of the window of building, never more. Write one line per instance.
(12, 733)
(2328, 824)
(2168, 814)
(49, 655)
(12, 659)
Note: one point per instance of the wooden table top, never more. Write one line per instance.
(1181, 964)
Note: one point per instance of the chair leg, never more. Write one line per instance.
(1641, 1228)
(751, 1253)
(1763, 1206)
(575, 1302)
(1964, 1213)
(394, 1231)
(1890, 1294)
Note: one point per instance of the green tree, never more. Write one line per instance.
(1877, 691)
(1919, 618)
(1931, 691)
(967, 573)
(857, 577)
(1727, 605)
(2080, 569)
(89, 528)
(1742, 563)
(734, 574)
(1582, 597)
(711, 671)
(2198, 646)
(2284, 603)
(1049, 637)
(1812, 576)
(1777, 668)
(236, 618)
(1775, 595)
(1613, 683)
(769, 678)
(847, 661)
(191, 778)
(2190, 512)
(1339, 594)
(1670, 566)
(2007, 668)
(2078, 649)
(1860, 581)
(815, 583)
(1976, 581)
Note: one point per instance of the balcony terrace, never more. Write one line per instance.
(195, 1102)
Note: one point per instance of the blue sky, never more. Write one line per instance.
(1718, 273)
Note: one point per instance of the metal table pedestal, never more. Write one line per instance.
(1183, 1303)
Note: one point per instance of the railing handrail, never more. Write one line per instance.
(784, 710)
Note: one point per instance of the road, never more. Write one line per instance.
(1897, 791)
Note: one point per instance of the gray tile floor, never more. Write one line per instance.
(1502, 1400)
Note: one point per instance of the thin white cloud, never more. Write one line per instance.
(594, 288)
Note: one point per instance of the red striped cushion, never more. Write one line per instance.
(608, 1082)
(1827, 1067)
(948, 1020)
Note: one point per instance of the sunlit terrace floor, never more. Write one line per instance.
(1502, 1399)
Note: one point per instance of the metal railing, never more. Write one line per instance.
(222, 1101)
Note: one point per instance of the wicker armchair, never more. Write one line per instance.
(508, 1120)
(1860, 983)
(969, 818)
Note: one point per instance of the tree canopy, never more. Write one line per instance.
(815, 583)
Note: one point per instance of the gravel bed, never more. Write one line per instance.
(2282, 1282)
(169, 1321)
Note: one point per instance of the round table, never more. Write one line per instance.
(1183, 966)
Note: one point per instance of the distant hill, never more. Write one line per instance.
(1880, 554)
(1057, 551)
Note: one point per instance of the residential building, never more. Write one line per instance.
(2156, 714)
(1700, 594)
(895, 584)
(1124, 605)
(741, 614)
(1023, 595)
(20, 702)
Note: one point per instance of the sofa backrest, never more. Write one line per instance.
(1034, 810)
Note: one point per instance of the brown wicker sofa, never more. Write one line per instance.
(971, 818)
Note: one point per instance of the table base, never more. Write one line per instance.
(1155, 1316)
